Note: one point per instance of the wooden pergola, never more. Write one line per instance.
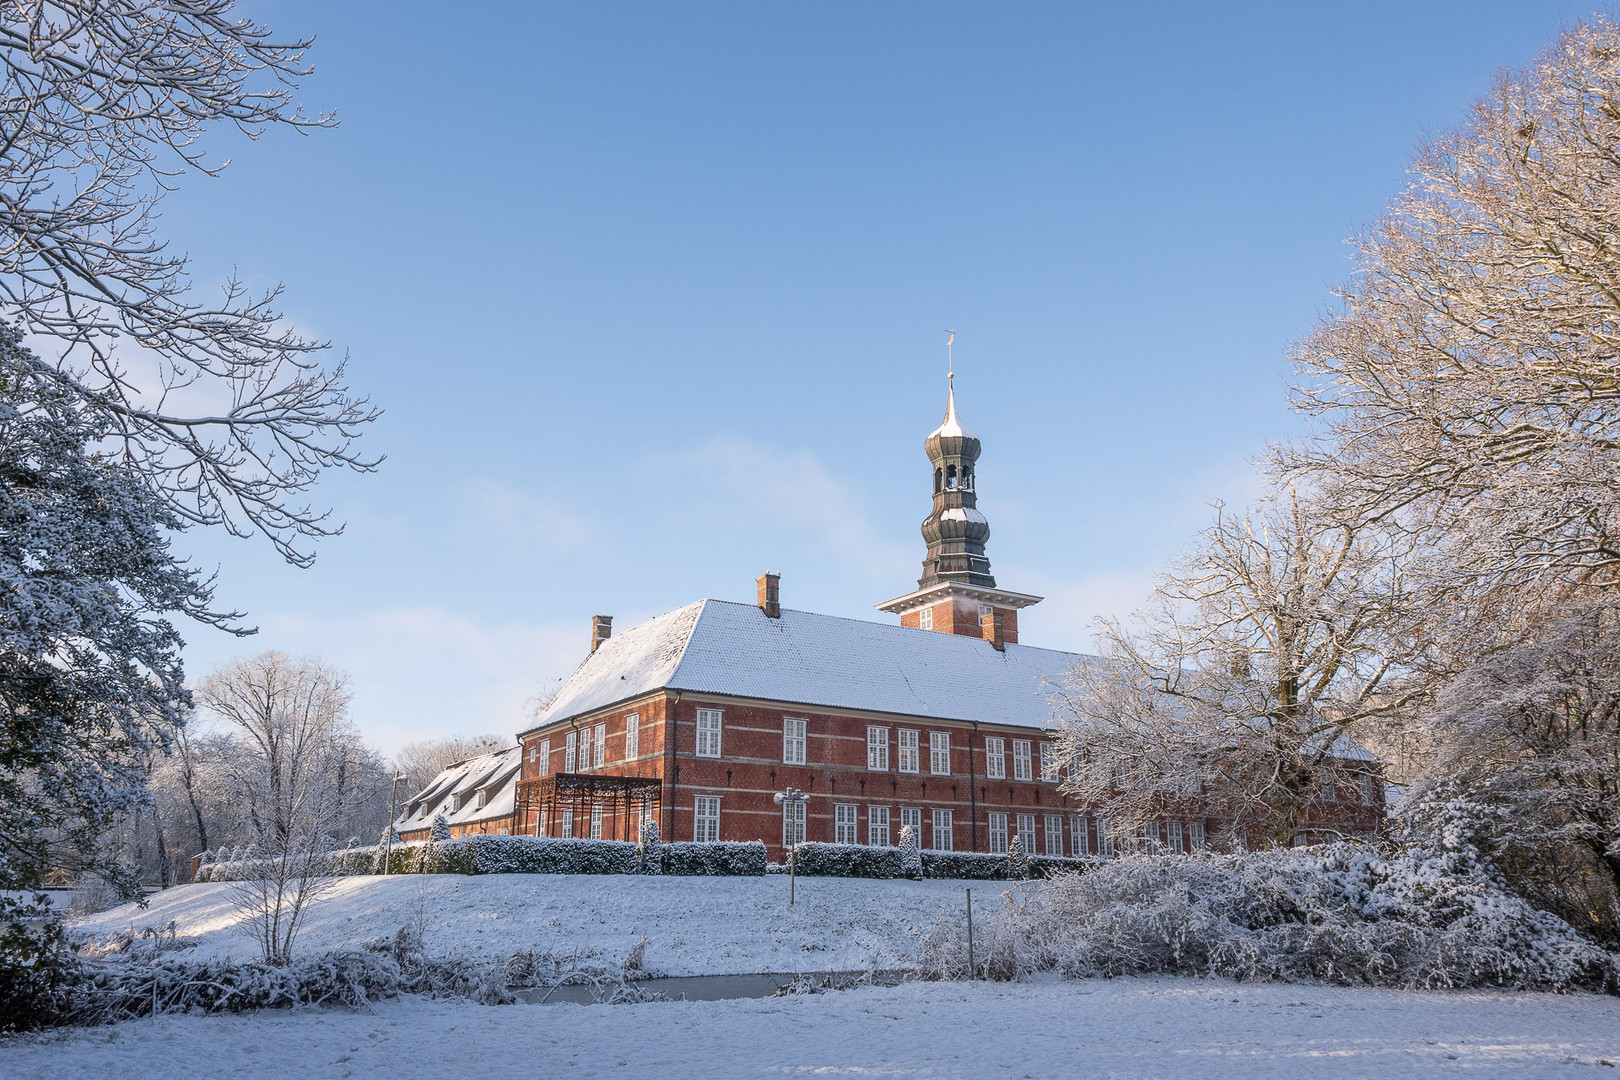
(541, 803)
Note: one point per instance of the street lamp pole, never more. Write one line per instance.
(393, 814)
(787, 799)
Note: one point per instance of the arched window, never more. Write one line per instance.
(950, 478)
(967, 478)
(937, 475)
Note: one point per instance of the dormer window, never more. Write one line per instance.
(478, 799)
(950, 478)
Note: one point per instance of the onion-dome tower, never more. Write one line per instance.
(957, 593)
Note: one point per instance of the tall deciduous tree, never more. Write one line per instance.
(1276, 637)
(223, 410)
(293, 782)
(1471, 378)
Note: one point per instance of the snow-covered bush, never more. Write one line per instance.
(651, 851)
(910, 853)
(1432, 916)
(846, 860)
(1045, 866)
(725, 858)
(536, 855)
(964, 864)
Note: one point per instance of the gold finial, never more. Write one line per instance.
(950, 360)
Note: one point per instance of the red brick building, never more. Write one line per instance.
(699, 716)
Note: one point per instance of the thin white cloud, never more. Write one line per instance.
(500, 512)
(425, 672)
(789, 494)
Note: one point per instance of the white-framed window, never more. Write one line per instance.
(995, 760)
(1021, 762)
(479, 798)
(599, 747)
(908, 751)
(998, 833)
(793, 740)
(571, 753)
(877, 826)
(632, 736)
(1149, 836)
(1049, 763)
(1079, 827)
(877, 749)
(1195, 833)
(1105, 838)
(912, 816)
(1369, 789)
(1174, 839)
(534, 754)
(584, 749)
(706, 818)
(939, 754)
(793, 818)
(596, 821)
(1026, 833)
(844, 824)
(540, 824)
(545, 757)
(1054, 834)
(708, 733)
(567, 831)
(942, 830)
(925, 618)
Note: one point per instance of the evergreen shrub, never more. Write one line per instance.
(847, 860)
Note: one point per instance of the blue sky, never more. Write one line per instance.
(654, 298)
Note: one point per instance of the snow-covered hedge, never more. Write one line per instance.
(963, 864)
(723, 858)
(1428, 917)
(535, 855)
(1045, 866)
(846, 860)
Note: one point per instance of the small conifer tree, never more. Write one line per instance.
(651, 853)
(910, 853)
(1017, 861)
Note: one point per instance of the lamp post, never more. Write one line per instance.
(393, 815)
(786, 799)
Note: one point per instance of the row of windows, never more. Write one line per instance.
(586, 748)
(1086, 836)
(909, 757)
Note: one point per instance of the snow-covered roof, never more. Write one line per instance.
(718, 647)
(495, 774)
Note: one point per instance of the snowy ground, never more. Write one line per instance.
(1123, 1028)
(693, 925)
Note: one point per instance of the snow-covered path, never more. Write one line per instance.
(693, 925)
(1123, 1028)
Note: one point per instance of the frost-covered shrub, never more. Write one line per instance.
(723, 858)
(1045, 866)
(536, 855)
(910, 853)
(1429, 917)
(964, 864)
(650, 853)
(847, 860)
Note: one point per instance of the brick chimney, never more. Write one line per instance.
(769, 591)
(601, 630)
(992, 624)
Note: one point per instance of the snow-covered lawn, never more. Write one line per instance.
(1120, 1028)
(693, 925)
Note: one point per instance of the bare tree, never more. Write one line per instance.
(291, 716)
(222, 409)
(1469, 378)
(1276, 637)
(1532, 726)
